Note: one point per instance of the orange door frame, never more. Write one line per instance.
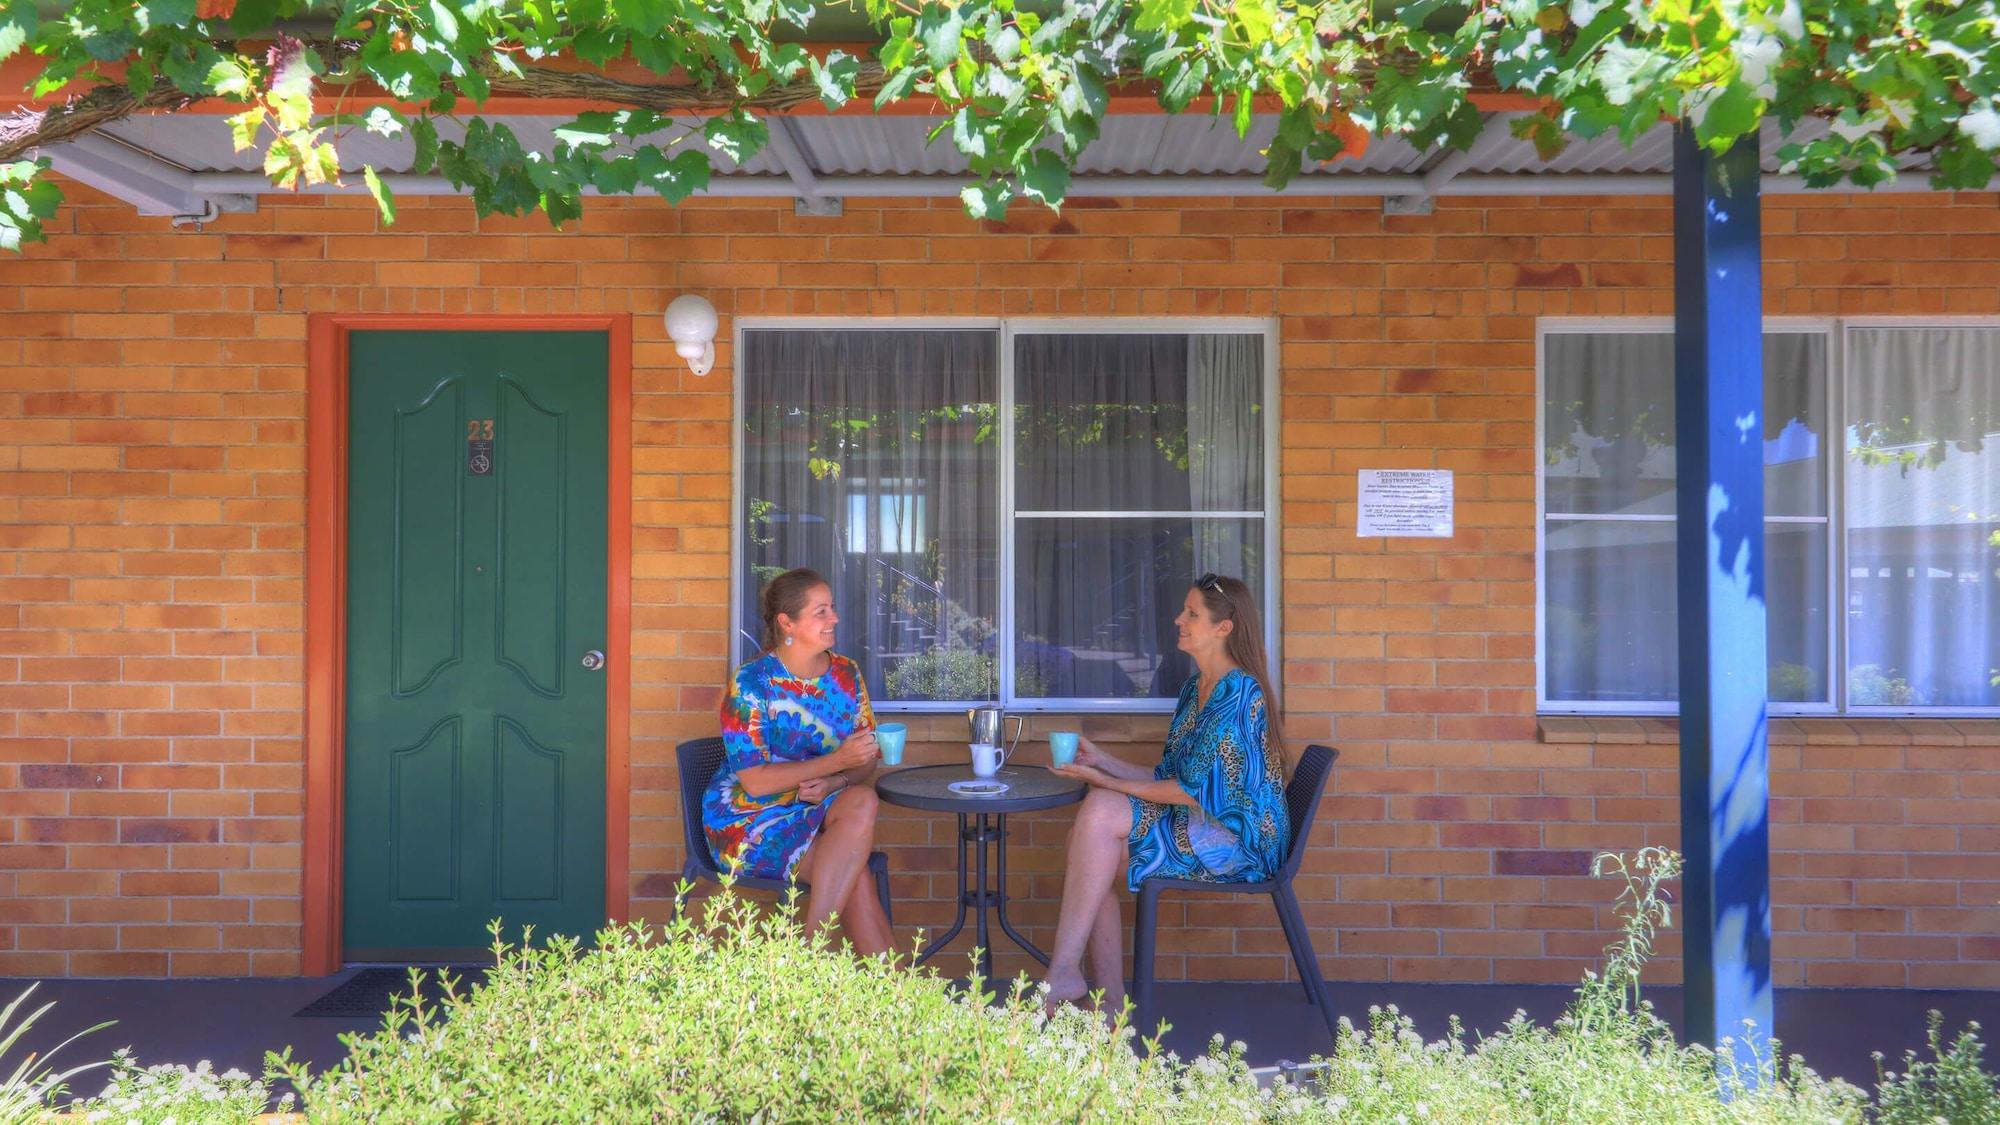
(326, 604)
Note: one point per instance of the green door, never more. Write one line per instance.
(475, 594)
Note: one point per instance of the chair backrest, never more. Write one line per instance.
(1302, 794)
(700, 760)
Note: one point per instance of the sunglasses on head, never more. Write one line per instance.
(1212, 581)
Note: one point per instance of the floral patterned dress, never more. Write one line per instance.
(770, 715)
(1221, 755)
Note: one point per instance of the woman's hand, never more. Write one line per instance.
(814, 790)
(859, 749)
(1087, 754)
(1089, 775)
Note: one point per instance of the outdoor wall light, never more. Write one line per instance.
(691, 321)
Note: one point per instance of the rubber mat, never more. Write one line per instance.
(371, 991)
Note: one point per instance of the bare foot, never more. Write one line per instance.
(1110, 1004)
(1064, 987)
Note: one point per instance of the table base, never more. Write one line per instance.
(989, 832)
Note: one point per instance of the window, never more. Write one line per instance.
(1923, 516)
(1919, 507)
(1137, 460)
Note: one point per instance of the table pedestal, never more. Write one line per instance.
(982, 830)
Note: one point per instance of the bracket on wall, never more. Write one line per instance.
(825, 206)
(1495, 136)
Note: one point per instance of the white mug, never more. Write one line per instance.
(987, 759)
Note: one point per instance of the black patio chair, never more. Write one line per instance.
(1302, 796)
(700, 759)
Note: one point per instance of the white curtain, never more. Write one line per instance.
(1923, 505)
(1610, 602)
(872, 457)
(1117, 437)
(1225, 447)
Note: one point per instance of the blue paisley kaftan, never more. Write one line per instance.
(1221, 755)
(770, 716)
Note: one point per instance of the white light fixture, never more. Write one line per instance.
(691, 321)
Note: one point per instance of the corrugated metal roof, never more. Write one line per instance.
(201, 143)
(1131, 144)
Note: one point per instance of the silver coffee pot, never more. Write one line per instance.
(989, 723)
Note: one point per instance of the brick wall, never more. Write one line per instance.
(151, 553)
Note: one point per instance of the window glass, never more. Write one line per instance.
(1610, 613)
(1922, 516)
(1156, 443)
(871, 457)
(1097, 598)
(874, 458)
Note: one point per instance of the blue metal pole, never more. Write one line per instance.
(1719, 430)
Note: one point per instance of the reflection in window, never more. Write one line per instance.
(896, 520)
(874, 457)
(1139, 464)
(1923, 517)
(1610, 609)
(870, 456)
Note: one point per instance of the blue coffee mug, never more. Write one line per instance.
(889, 739)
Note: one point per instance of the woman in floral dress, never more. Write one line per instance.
(792, 800)
(1213, 809)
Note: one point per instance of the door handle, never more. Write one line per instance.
(593, 661)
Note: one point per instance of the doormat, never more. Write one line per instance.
(371, 992)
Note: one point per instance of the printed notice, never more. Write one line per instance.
(1405, 503)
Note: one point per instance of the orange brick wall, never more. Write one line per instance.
(151, 557)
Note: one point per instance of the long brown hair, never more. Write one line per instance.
(1228, 599)
(786, 594)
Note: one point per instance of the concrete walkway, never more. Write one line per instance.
(233, 1022)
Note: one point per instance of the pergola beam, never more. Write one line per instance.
(1494, 137)
(791, 156)
(148, 183)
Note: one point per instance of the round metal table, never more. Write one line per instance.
(981, 821)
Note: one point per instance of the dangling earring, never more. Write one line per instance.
(788, 641)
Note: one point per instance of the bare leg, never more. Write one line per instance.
(1107, 955)
(861, 916)
(1096, 853)
(838, 855)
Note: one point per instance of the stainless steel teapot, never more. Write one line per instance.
(988, 724)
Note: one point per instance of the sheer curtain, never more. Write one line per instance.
(1123, 445)
(1923, 507)
(872, 457)
(1225, 446)
(1610, 608)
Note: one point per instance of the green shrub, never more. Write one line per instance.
(945, 673)
(1951, 1086)
(735, 1018)
(1871, 685)
(1608, 1059)
(175, 1095)
(738, 1019)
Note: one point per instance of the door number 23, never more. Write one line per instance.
(477, 428)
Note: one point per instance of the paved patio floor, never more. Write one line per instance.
(233, 1022)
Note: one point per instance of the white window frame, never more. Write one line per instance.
(1007, 330)
(1836, 594)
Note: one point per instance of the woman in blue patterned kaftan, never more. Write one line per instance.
(1213, 809)
(793, 799)
(1238, 830)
